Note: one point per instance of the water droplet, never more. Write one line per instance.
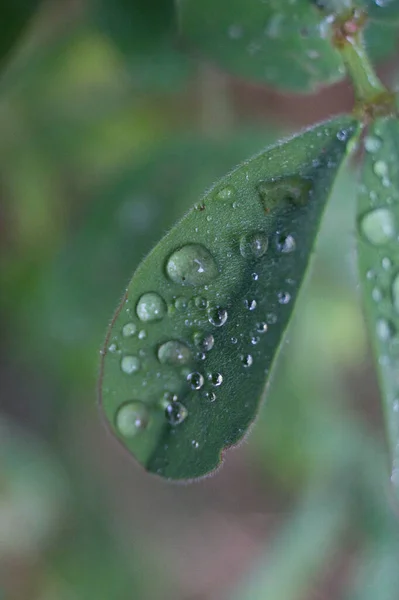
(112, 348)
(196, 380)
(204, 342)
(372, 144)
(181, 304)
(142, 334)
(226, 193)
(285, 243)
(246, 360)
(254, 245)
(168, 398)
(395, 293)
(132, 418)
(378, 226)
(151, 307)
(234, 340)
(250, 304)
(211, 396)
(395, 405)
(376, 294)
(271, 318)
(255, 276)
(176, 413)
(283, 297)
(201, 302)
(261, 327)
(217, 316)
(174, 353)
(292, 189)
(200, 356)
(192, 264)
(384, 329)
(195, 444)
(255, 339)
(381, 168)
(386, 263)
(216, 379)
(130, 364)
(129, 330)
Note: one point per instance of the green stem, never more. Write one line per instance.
(367, 85)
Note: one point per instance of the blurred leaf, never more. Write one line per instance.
(281, 43)
(378, 223)
(216, 289)
(386, 11)
(14, 17)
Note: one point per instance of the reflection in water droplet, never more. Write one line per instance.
(130, 364)
(395, 293)
(225, 193)
(384, 329)
(174, 353)
(215, 379)
(196, 380)
(217, 316)
(204, 342)
(285, 243)
(192, 264)
(132, 418)
(255, 339)
(176, 413)
(255, 276)
(283, 297)
(246, 360)
(378, 226)
(151, 307)
(129, 329)
(250, 304)
(254, 245)
(261, 327)
(168, 398)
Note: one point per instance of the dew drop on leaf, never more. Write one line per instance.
(174, 353)
(192, 264)
(196, 380)
(130, 364)
(151, 307)
(176, 413)
(254, 244)
(217, 316)
(129, 330)
(132, 418)
(378, 226)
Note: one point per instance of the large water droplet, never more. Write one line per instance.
(215, 379)
(129, 329)
(151, 307)
(130, 364)
(217, 316)
(196, 380)
(254, 244)
(381, 168)
(378, 226)
(174, 353)
(132, 418)
(176, 413)
(204, 342)
(192, 264)
(372, 144)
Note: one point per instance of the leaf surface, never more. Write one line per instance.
(190, 349)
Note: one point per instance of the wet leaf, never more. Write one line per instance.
(385, 11)
(278, 42)
(378, 226)
(190, 348)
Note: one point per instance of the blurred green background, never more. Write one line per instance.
(110, 130)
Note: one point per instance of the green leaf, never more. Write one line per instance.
(378, 226)
(191, 346)
(278, 42)
(14, 17)
(384, 11)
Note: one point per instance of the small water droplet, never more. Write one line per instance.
(130, 364)
(271, 318)
(250, 304)
(196, 380)
(261, 327)
(112, 348)
(201, 302)
(246, 360)
(254, 245)
(200, 356)
(151, 307)
(395, 293)
(204, 342)
(192, 264)
(132, 418)
(181, 304)
(217, 316)
(174, 353)
(283, 297)
(378, 226)
(255, 339)
(215, 379)
(168, 398)
(381, 168)
(226, 193)
(129, 329)
(142, 334)
(376, 294)
(176, 413)
(384, 329)
(255, 276)
(285, 243)
(195, 444)
(372, 144)
(233, 340)
(386, 263)
(211, 396)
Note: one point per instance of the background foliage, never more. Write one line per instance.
(106, 139)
